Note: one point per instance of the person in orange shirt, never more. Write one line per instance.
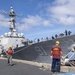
(9, 54)
(56, 53)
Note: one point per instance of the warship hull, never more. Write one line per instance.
(40, 52)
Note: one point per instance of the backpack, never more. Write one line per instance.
(10, 51)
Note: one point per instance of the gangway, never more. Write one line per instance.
(69, 59)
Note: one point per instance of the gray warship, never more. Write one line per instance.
(36, 52)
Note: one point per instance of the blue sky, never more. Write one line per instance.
(39, 18)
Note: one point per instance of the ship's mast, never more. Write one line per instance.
(12, 26)
(12, 16)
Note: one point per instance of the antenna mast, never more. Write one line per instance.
(12, 16)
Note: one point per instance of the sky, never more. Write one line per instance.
(39, 18)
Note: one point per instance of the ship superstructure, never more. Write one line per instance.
(13, 37)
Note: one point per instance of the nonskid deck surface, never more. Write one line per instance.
(20, 69)
(21, 65)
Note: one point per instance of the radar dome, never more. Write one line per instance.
(6, 34)
(22, 34)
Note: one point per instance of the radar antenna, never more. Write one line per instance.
(12, 16)
(12, 21)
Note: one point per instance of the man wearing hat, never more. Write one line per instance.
(9, 53)
(56, 53)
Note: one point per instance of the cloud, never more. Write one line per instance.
(3, 21)
(63, 11)
(60, 12)
(32, 21)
